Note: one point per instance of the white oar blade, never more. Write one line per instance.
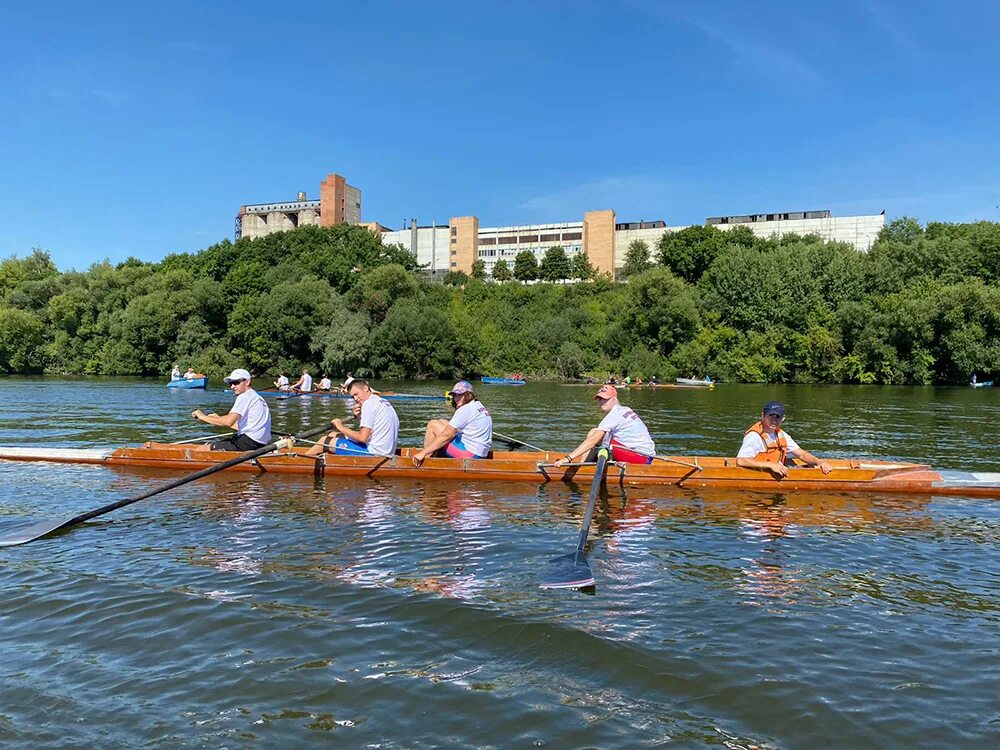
(29, 533)
(568, 572)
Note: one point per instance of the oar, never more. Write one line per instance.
(44, 528)
(515, 441)
(572, 571)
(202, 439)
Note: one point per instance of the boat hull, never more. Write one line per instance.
(722, 473)
(192, 383)
(503, 381)
(694, 382)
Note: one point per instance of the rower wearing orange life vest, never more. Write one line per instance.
(630, 440)
(767, 447)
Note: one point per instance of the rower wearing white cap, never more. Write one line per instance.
(630, 440)
(249, 416)
(379, 427)
(468, 434)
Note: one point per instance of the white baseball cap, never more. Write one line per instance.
(236, 376)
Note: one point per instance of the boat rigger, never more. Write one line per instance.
(675, 471)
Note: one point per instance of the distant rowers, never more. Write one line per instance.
(175, 374)
(630, 440)
(325, 383)
(190, 374)
(468, 434)
(282, 382)
(304, 383)
(766, 447)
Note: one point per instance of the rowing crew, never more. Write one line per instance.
(469, 433)
(304, 384)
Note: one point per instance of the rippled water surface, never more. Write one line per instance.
(264, 611)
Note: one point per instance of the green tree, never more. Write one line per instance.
(525, 266)
(377, 290)
(690, 252)
(636, 259)
(581, 267)
(501, 271)
(456, 278)
(479, 269)
(344, 344)
(555, 265)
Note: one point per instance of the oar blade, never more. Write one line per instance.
(29, 533)
(568, 572)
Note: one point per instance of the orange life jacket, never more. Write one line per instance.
(777, 449)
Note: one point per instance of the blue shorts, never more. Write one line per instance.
(347, 447)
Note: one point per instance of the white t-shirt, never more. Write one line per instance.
(190, 375)
(624, 425)
(325, 384)
(255, 416)
(378, 414)
(282, 383)
(306, 382)
(475, 426)
(175, 374)
(753, 444)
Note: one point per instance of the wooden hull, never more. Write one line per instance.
(847, 475)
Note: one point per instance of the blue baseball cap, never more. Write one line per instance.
(774, 407)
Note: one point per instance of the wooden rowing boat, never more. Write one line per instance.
(847, 475)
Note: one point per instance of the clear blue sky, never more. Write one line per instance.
(140, 128)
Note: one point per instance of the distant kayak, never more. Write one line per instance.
(984, 384)
(200, 382)
(695, 382)
(503, 381)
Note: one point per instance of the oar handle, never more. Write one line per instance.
(602, 459)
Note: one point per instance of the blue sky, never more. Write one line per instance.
(140, 128)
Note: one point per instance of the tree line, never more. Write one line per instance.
(921, 307)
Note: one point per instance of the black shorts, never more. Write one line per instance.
(237, 443)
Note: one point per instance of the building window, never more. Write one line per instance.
(454, 231)
(572, 236)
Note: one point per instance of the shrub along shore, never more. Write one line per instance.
(921, 307)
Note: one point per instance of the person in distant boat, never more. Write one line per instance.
(517, 376)
(282, 382)
(249, 416)
(630, 440)
(973, 381)
(766, 447)
(379, 426)
(468, 434)
(304, 383)
(190, 374)
(325, 383)
(175, 374)
(655, 380)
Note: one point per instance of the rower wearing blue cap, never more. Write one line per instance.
(766, 447)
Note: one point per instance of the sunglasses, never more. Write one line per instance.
(236, 382)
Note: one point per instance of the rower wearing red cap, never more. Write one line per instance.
(630, 440)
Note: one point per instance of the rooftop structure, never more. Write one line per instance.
(338, 203)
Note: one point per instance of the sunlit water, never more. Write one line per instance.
(264, 611)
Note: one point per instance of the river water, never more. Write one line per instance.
(266, 611)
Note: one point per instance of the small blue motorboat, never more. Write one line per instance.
(199, 382)
(503, 381)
